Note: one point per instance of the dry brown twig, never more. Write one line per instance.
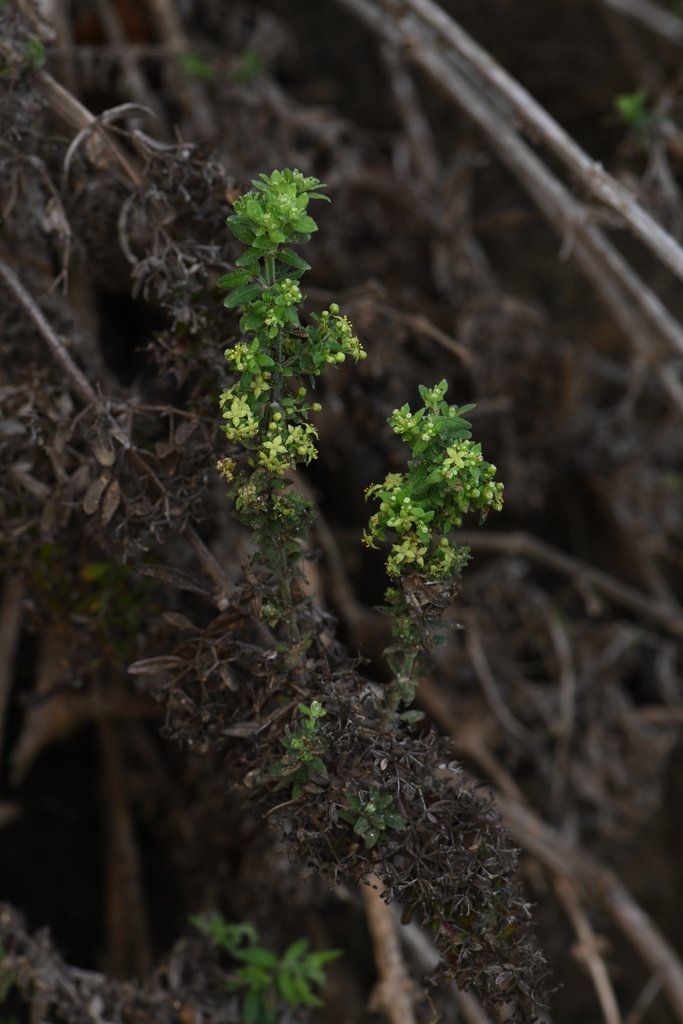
(11, 618)
(663, 613)
(489, 687)
(422, 152)
(469, 75)
(657, 19)
(589, 949)
(537, 121)
(392, 994)
(192, 98)
(600, 884)
(591, 881)
(134, 80)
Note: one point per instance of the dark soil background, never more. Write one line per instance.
(125, 802)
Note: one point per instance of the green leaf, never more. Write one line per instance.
(248, 262)
(257, 956)
(631, 107)
(34, 52)
(241, 228)
(237, 277)
(371, 838)
(292, 259)
(304, 225)
(295, 951)
(196, 67)
(317, 960)
(348, 816)
(287, 988)
(317, 766)
(297, 790)
(241, 296)
(412, 716)
(254, 1011)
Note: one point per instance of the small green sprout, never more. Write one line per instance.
(371, 815)
(195, 67)
(34, 52)
(632, 107)
(249, 66)
(302, 762)
(633, 110)
(9, 975)
(265, 980)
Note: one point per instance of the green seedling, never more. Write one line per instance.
(265, 981)
(371, 815)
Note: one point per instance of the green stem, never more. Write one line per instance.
(269, 266)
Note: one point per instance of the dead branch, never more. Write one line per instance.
(58, 350)
(589, 949)
(636, 308)
(133, 77)
(392, 994)
(657, 19)
(129, 948)
(665, 614)
(483, 69)
(11, 617)
(562, 857)
(559, 855)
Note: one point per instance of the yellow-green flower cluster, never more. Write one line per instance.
(446, 478)
(416, 547)
(472, 478)
(337, 331)
(242, 421)
(278, 307)
(286, 445)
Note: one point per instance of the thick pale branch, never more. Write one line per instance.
(539, 123)
(636, 308)
(657, 19)
(393, 991)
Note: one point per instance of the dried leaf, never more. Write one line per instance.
(184, 431)
(20, 472)
(227, 678)
(102, 445)
(11, 428)
(111, 502)
(163, 448)
(175, 578)
(93, 495)
(179, 621)
(148, 666)
(243, 729)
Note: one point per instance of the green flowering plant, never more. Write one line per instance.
(371, 815)
(419, 512)
(267, 410)
(264, 980)
(304, 746)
